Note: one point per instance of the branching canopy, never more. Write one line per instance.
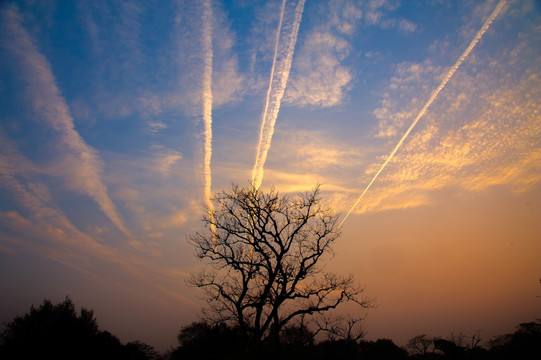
(262, 255)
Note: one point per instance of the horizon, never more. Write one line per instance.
(419, 119)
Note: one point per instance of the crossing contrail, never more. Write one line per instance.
(434, 95)
(281, 65)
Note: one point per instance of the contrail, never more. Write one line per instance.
(207, 98)
(256, 176)
(281, 65)
(434, 95)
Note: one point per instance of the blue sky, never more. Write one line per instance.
(119, 119)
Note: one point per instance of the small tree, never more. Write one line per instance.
(263, 254)
(420, 345)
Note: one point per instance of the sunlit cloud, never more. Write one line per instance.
(434, 95)
(482, 133)
(312, 151)
(165, 158)
(412, 81)
(83, 164)
(206, 35)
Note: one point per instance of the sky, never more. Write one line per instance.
(421, 120)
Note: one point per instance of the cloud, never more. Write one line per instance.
(408, 90)
(482, 131)
(377, 12)
(228, 83)
(39, 225)
(405, 26)
(47, 222)
(12, 162)
(319, 77)
(314, 151)
(165, 158)
(343, 16)
(147, 187)
(156, 126)
(82, 164)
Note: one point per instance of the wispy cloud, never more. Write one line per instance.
(46, 219)
(83, 165)
(379, 13)
(164, 159)
(288, 28)
(320, 80)
(315, 152)
(42, 227)
(319, 77)
(113, 29)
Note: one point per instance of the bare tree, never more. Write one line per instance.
(262, 254)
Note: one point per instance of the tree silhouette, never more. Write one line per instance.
(382, 349)
(524, 343)
(420, 345)
(200, 340)
(262, 253)
(58, 332)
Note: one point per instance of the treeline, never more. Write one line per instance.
(204, 341)
(60, 332)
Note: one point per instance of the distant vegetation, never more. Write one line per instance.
(59, 332)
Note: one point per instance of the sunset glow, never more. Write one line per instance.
(420, 120)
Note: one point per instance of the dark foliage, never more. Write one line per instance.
(337, 349)
(382, 349)
(203, 341)
(524, 343)
(58, 332)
